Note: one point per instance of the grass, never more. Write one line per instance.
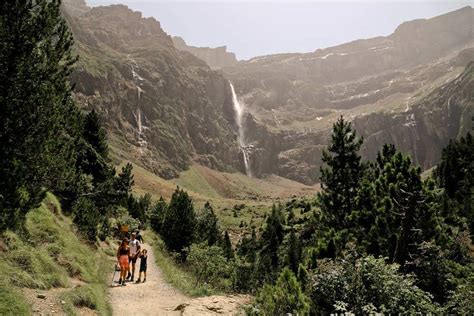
(194, 181)
(49, 255)
(173, 273)
(92, 296)
(12, 302)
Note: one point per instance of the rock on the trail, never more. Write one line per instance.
(181, 307)
(41, 295)
(227, 305)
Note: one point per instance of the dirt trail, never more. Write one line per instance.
(156, 297)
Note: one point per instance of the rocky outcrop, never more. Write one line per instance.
(383, 85)
(163, 107)
(75, 7)
(421, 130)
(216, 58)
(425, 128)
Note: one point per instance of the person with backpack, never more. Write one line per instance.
(139, 237)
(134, 252)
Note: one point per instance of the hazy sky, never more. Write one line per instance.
(253, 28)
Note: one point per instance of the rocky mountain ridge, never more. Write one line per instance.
(292, 99)
(165, 108)
(216, 58)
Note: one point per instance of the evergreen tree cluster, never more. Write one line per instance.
(46, 142)
(180, 226)
(379, 229)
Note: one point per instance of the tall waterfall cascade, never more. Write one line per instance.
(138, 114)
(239, 109)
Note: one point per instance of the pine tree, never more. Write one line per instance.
(395, 207)
(455, 174)
(179, 222)
(272, 236)
(207, 227)
(157, 214)
(124, 181)
(227, 246)
(39, 118)
(341, 176)
(285, 297)
(95, 134)
(294, 252)
(93, 150)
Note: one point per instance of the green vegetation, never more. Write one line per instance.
(50, 255)
(389, 245)
(175, 273)
(179, 220)
(13, 302)
(284, 297)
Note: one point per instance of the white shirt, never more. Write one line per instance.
(134, 244)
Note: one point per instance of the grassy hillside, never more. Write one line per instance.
(49, 258)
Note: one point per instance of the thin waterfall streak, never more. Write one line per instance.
(239, 112)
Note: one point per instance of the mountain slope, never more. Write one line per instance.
(166, 106)
(166, 110)
(292, 99)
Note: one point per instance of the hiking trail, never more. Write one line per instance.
(157, 297)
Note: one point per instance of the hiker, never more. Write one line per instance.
(143, 257)
(139, 237)
(123, 254)
(134, 251)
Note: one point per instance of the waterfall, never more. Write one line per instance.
(239, 113)
(138, 115)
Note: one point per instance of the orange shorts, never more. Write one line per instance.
(123, 261)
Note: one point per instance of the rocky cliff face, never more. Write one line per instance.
(383, 85)
(215, 57)
(422, 129)
(163, 107)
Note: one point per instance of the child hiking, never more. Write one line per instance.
(143, 259)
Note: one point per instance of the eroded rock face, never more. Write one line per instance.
(384, 85)
(163, 107)
(216, 58)
(422, 130)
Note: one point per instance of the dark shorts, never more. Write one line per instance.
(132, 260)
(143, 268)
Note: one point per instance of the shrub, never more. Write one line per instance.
(209, 265)
(179, 222)
(366, 285)
(282, 298)
(87, 218)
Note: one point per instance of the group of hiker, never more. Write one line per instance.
(129, 251)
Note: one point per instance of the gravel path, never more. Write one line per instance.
(154, 297)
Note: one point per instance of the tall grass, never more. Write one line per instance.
(174, 273)
(47, 255)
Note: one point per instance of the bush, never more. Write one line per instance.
(366, 285)
(87, 218)
(282, 298)
(179, 222)
(209, 265)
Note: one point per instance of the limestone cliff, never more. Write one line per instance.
(216, 58)
(163, 107)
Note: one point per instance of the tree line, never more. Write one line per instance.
(46, 142)
(380, 237)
